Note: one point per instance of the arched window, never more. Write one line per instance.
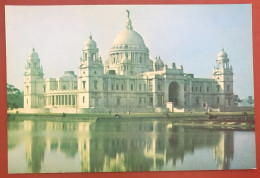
(228, 87)
(118, 101)
(95, 85)
(218, 88)
(159, 86)
(64, 87)
(83, 84)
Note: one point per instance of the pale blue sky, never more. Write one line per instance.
(189, 35)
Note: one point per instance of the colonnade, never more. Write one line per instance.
(61, 100)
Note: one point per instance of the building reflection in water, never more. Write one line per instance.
(34, 145)
(123, 146)
(224, 150)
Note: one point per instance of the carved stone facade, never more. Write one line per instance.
(129, 81)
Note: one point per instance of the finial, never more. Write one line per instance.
(128, 25)
(90, 36)
(33, 48)
(128, 13)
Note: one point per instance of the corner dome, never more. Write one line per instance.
(158, 61)
(33, 54)
(90, 44)
(129, 37)
(222, 53)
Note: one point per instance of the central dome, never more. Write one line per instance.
(129, 37)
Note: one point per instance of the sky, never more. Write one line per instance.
(189, 35)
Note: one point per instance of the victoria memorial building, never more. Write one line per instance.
(128, 81)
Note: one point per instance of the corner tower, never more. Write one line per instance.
(90, 78)
(223, 74)
(34, 85)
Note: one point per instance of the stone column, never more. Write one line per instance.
(52, 100)
(55, 100)
(47, 99)
(181, 94)
(166, 92)
(155, 93)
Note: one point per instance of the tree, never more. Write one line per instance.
(250, 100)
(236, 100)
(14, 97)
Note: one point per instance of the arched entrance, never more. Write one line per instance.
(174, 93)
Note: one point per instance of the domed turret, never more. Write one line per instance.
(158, 61)
(222, 57)
(33, 54)
(222, 53)
(158, 64)
(90, 44)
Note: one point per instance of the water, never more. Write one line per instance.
(109, 146)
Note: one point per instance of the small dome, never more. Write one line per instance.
(33, 54)
(222, 53)
(69, 75)
(90, 44)
(158, 61)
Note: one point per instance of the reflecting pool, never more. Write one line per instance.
(119, 146)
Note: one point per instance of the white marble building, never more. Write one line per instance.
(129, 80)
